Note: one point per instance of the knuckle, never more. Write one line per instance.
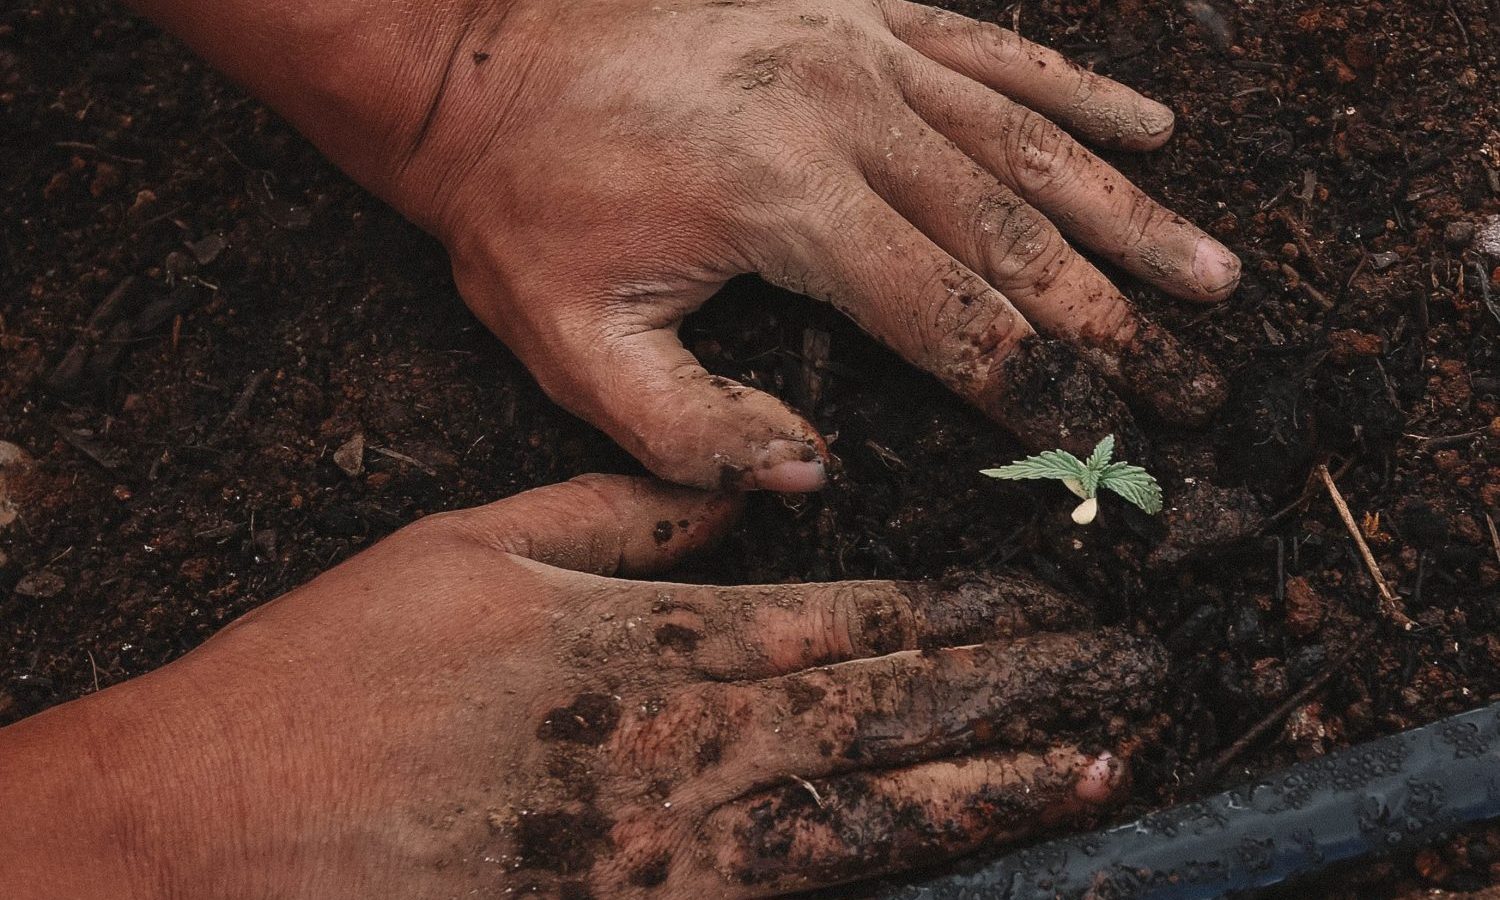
(1000, 47)
(875, 620)
(960, 298)
(1145, 219)
(1043, 157)
(1020, 241)
(686, 733)
(976, 329)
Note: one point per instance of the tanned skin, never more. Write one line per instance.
(478, 706)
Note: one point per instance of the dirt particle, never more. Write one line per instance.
(710, 752)
(677, 637)
(589, 720)
(565, 842)
(883, 630)
(804, 696)
(663, 532)
(1304, 607)
(653, 872)
(1346, 345)
(757, 70)
(571, 770)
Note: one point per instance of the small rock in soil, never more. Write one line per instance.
(41, 585)
(1304, 607)
(1348, 345)
(1306, 731)
(351, 456)
(1457, 235)
(1487, 240)
(13, 463)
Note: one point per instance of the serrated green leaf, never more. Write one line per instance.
(1053, 464)
(1133, 483)
(1102, 454)
(1096, 464)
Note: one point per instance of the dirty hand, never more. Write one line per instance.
(598, 168)
(472, 706)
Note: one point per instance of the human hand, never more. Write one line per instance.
(599, 168)
(470, 706)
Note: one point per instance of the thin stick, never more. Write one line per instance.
(1390, 604)
(1494, 534)
(1284, 709)
(402, 457)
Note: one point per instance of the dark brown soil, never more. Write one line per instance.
(185, 450)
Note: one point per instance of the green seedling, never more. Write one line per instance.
(1085, 478)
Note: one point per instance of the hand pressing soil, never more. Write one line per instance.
(598, 169)
(473, 707)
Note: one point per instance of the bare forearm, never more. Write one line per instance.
(72, 808)
(143, 791)
(315, 62)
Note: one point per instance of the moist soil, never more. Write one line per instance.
(198, 313)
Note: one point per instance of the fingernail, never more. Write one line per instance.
(792, 477)
(791, 467)
(1155, 119)
(1216, 269)
(1099, 780)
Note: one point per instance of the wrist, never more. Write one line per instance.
(155, 788)
(361, 79)
(77, 804)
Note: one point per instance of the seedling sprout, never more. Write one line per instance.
(1085, 478)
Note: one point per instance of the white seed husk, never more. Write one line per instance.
(1087, 511)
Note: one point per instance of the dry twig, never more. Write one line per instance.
(1494, 534)
(1284, 709)
(1390, 604)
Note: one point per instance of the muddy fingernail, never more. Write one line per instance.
(1216, 269)
(790, 467)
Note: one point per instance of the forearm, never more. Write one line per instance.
(59, 835)
(73, 802)
(140, 791)
(356, 76)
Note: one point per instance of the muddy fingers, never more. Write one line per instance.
(914, 705)
(725, 739)
(1089, 199)
(744, 633)
(1096, 108)
(809, 834)
(939, 314)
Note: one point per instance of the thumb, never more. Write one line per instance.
(635, 381)
(603, 524)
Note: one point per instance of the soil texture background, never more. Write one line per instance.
(197, 312)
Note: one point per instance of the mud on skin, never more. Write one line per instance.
(851, 826)
(589, 830)
(1051, 398)
(1178, 383)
